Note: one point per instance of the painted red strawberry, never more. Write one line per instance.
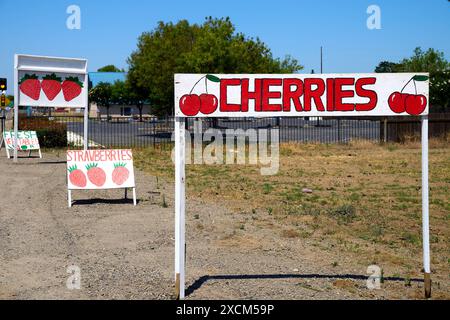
(96, 175)
(77, 177)
(120, 174)
(71, 88)
(51, 85)
(31, 86)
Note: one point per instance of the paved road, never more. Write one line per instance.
(140, 134)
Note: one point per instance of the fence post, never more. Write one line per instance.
(339, 130)
(3, 121)
(385, 130)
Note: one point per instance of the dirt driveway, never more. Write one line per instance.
(126, 252)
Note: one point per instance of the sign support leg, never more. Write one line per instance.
(179, 208)
(69, 198)
(134, 197)
(16, 106)
(425, 209)
(86, 120)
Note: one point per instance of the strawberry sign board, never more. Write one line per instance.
(298, 95)
(100, 169)
(40, 88)
(54, 82)
(51, 82)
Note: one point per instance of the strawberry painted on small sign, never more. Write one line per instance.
(100, 169)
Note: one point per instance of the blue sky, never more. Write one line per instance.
(110, 28)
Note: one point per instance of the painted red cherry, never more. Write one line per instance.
(415, 104)
(190, 104)
(209, 103)
(397, 102)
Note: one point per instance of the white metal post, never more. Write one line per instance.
(86, 115)
(425, 208)
(16, 104)
(179, 207)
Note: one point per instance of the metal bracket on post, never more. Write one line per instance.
(425, 209)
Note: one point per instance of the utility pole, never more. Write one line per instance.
(321, 59)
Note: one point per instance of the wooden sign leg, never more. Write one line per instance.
(134, 197)
(425, 209)
(69, 198)
(179, 208)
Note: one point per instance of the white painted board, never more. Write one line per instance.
(298, 95)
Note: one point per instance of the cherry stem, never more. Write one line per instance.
(407, 84)
(197, 84)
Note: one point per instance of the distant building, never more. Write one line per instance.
(115, 111)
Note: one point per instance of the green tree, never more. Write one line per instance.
(386, 67)
(425, 61)
(102, 95)
(212, 47)
(110, 68)
(431, 61)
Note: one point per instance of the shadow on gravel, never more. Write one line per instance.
(53, 162)
(202, 280)
(103, 201)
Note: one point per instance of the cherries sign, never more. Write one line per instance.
(301, 95)
(413, 104)
(193, 104)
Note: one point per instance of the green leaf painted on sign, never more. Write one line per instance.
(24, 147)
(420, 78)
(212, 78)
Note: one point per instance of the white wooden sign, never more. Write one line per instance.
(52, 82)
(298, 95)
(250, 95)
(26, 141)
(100, 169)
(42, 81)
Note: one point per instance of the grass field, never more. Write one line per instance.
(366, 199)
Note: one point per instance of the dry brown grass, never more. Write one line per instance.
(366, 198)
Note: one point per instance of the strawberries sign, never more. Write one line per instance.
(52, 85)
(51, 81)
(100, 169)
(275, 95)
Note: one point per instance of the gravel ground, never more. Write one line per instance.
(126, 252)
